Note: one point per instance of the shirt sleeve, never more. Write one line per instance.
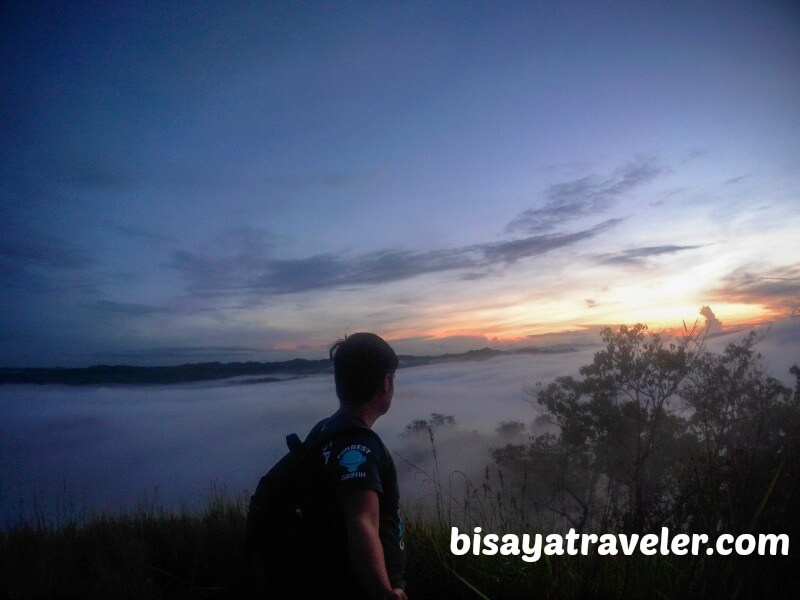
(355, 464)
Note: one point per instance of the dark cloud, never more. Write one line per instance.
(475, 276)
(248, 239)
(329, 271)
(590, 303)
(250, 259)
(260, 273)
(28, 279)
(739, 179)
(27, 247)
(130, 308)
(778, 288)
(85, 173)
(584, 197)
(572, 166)
(636, 257)
(253, 270)
(35, 262)
(297, 275)
(137, 232)
(218, 274)
(509, 252)
(15, 277)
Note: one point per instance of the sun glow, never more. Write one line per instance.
(516, 324)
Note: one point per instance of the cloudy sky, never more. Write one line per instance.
(229, 181)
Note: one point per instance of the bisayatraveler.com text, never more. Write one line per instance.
(531, 547)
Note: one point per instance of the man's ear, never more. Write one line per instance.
(387, 382)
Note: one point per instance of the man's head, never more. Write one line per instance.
(363, 367)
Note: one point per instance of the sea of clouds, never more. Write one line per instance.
(103, 448)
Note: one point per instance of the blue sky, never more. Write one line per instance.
(235, 181)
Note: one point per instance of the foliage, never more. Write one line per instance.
(436, 421)
(658, 430)
(745, 425)
(510, 429)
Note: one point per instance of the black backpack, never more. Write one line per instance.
(292, 520)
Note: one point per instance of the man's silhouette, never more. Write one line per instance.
(359, 477)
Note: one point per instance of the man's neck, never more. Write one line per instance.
(362, 413)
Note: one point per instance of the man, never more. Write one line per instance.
(359, 475)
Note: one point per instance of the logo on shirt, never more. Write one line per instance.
(352, 459)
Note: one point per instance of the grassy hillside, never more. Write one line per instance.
(158, 554)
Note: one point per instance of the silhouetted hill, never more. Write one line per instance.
(260, 372)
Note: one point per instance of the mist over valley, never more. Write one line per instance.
(107, 448)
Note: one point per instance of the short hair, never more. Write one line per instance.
(360, 363)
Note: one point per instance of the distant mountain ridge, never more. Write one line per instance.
(210, 371)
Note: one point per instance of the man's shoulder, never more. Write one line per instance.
(317, 429)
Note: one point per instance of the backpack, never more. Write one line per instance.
(292, 518)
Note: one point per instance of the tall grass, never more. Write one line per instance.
(147, 553)
(153, 553)
(434, 572)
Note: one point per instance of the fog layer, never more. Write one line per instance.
(110, 448)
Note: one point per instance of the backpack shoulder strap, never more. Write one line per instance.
(294, 443)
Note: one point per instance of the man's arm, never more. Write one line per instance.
(362, 518)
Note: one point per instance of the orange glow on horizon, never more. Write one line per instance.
(732, 316)
(512, 324)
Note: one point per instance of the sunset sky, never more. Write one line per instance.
(182, 182)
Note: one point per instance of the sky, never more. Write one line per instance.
(183, 182)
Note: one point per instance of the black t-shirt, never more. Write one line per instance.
(357, 459)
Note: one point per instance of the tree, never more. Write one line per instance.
(746, 426)
(659, 431)
(614, 428)
(436, 421)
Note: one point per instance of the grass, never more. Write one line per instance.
(152, 553)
